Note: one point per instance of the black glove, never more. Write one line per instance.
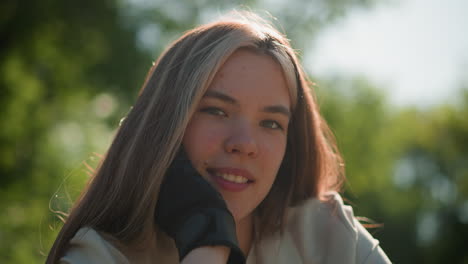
(193, 213)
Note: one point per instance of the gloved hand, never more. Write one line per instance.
(193, 213)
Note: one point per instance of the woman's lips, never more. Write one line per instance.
(231, 179)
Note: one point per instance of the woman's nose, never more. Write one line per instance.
(242, 141)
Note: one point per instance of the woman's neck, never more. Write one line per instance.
(244, 230)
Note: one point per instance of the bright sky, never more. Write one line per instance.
(415, 49)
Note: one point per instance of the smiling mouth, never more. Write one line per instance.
(229, 177)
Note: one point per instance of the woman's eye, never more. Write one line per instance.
(213, 111)
(271, 124)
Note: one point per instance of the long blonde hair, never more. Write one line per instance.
(120, 199)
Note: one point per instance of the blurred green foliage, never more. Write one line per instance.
(70, 70)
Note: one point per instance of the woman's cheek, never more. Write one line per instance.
(274, 148)
(211, 137)
(202, 140)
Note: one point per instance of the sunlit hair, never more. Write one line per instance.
(120, 198)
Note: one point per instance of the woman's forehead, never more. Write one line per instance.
(249, 75)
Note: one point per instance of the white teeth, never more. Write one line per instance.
(232, 178)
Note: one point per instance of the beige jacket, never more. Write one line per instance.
(317, 232)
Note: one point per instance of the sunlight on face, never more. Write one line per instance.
(237, 137)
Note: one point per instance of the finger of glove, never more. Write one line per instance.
(209, 227)
(184, 191)
(189, 187)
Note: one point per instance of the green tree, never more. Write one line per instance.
(57, 59)
(407, 169)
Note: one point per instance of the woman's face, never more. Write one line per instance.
(236, 139)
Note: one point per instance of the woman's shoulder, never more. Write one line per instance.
(321, 231)
(89, 246)
(330, 227)
(330, 209)
(327, 212)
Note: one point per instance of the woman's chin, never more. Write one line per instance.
(239, 215)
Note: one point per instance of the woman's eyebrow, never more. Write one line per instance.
(277, 109)
(221, 96)
(274, 109)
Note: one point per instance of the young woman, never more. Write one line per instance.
(223, 158)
